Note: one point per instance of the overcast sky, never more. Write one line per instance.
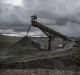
(63, 15)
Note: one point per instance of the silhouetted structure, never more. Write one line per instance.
(49, 32)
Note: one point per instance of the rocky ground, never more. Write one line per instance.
(37, 72)
(60, 65)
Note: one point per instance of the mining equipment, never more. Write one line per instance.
(69, 46)
(51, 34)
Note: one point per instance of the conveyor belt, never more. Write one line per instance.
(47, 29)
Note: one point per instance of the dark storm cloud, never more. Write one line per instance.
(59, 12)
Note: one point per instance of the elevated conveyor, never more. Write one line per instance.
(68, 48)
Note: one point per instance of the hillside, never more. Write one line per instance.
(7, 41)
(26, 54)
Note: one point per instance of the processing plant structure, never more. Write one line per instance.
(26, 49)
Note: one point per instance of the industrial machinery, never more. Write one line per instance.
(50, 33)
(69, 46)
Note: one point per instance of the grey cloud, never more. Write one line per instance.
(59, 12)
(62, 11)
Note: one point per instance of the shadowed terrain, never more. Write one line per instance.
(7, 41)
(29, 54)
